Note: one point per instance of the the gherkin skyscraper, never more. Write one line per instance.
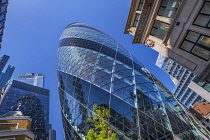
(93, 69)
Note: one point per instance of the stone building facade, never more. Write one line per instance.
(178, 29)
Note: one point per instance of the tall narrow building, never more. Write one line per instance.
(32, 101)
(181, 78)
(3, 62)
(94, 69)
(6, 75)
(3, 11)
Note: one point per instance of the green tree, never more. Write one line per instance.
(99, 127)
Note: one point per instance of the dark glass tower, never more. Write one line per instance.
(32, 101)
(3, 62)
(3, 11)
(5, 77)
(93, 69)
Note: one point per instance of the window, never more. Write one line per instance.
(3, 9)
(168, 8)
(137, 18)
(203, 18)
(159, 29)
(3, 1)
(197, 44)
(140, 5)
(2, 17)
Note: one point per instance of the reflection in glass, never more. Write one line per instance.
(197, 44)
(140, 106)
(204, 40)
(201, 52)
(203, 18)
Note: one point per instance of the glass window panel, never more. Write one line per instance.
(1, 17)
(164, 26)
(3, 8)
(204, 40)
(140, 5)
(201, 52)
(206, 8)
(135, 24)
(164, 3)
(3, 1)
(153, 31)
(173, 3)
(187, 46)
(170, 13)
(202, 20)
(192, 36)
(157, 23)
(161, 11)
(161, 35)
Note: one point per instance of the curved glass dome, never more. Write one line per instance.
(93, 69)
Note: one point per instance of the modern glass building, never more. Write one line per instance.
(32, 101)
(93, 69)
(5, 77)
(181, 78)
(3, 62)
(3, 11)
(32, 79)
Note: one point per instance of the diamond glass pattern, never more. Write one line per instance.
(93, 69)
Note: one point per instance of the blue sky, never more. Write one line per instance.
(33, 28)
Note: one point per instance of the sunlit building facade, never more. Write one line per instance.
(32, 79)
(178, 29)
(94, 69)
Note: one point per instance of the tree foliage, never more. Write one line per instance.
(99, 126)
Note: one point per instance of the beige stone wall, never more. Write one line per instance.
(17, 137)
(169, 47)
(22, 124)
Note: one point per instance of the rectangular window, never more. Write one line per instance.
(141, 3)
(159, 29)
(197, 44)
(3, 9)
(168, 8)
(3, 1)
(136, 21)
(203, 18)
(2, 17)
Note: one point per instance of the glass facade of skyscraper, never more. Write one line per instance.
(93, 69)
(3, 11)
(3, 62)
(32, 79)
(32, 101)
(5, 77)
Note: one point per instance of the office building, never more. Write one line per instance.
(202, 111)
(32, 101)
(94, 69)
(15, 126)
(3, 62)
(32, 79)
(3, 11)
(178, 29)
(52, 133)
(187, 94)
(6, 75)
